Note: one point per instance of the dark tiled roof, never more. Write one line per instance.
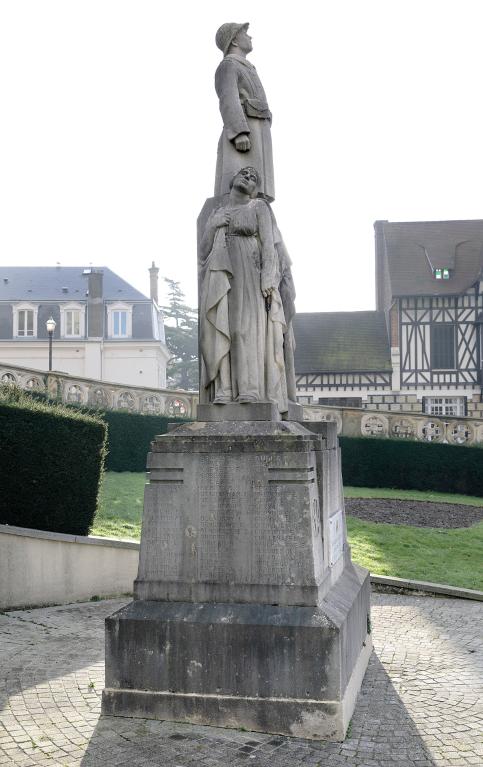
(341, 342)
(414, 248)
(46, 283)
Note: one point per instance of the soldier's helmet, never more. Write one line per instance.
(226, 34)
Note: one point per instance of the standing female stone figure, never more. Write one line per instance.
(242, 321)
(246, 138)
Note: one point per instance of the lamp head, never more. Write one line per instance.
(50, 324)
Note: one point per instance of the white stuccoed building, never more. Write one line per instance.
(105, 329)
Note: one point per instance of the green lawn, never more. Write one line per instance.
(425, 554)
(420, 553)
(120, 505)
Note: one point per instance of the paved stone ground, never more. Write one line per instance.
(420, 704)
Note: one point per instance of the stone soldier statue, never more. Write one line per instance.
(246, 139)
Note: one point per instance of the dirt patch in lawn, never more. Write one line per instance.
(417, 513)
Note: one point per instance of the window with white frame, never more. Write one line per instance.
(119, 321)
(72, 320)
(25, 321)
(451, 406)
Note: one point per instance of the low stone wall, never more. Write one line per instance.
(357, 422)
(386, 415)
(114, 396)
(41, 568)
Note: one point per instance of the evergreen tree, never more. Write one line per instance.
(181, 329)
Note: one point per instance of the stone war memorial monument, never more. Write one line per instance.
(248, 611)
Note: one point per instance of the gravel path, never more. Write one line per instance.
(417, 513)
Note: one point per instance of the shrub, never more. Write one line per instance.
(405, 464)
(51, 463)
(130, 436)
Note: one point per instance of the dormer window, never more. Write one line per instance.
(119, 323)
(25, 321)
(72, 320)
(119, 320)
(442, 274)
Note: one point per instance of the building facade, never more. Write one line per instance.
(104, 328)
(421, 350)
(341, 358)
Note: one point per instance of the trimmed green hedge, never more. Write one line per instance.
(405, 464)
(51, 463)
(130, 436)
(366, 462)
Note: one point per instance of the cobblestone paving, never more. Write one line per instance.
(420, 704)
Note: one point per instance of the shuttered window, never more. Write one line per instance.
(443, 347)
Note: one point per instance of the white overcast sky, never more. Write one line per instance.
(109, 125)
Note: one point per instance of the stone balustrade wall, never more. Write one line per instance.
(86, 391)
(356, 422)
(351, 422)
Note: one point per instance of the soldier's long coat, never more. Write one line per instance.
(244, 109)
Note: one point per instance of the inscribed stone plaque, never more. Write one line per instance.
(232, 519)
(336, 537)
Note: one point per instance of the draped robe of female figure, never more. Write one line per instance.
(241, 341)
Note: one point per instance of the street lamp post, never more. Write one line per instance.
(50, 324)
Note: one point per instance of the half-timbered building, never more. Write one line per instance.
(341, 358)
(426, 327)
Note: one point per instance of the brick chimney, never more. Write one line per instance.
(153, 282)
(95, 305)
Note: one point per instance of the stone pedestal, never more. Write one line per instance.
(248, 611)
(253, 411)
